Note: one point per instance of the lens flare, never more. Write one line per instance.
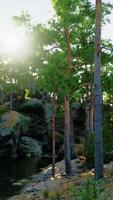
(13, 44)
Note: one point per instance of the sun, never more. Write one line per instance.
(15, 44)
(12, 42)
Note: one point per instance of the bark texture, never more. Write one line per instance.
(98, 97)
(53, 137)
(67, 124)
(11, 90)
(67, 137)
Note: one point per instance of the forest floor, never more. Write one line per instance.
(43, 186)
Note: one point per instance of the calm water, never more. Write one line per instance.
(15, 170)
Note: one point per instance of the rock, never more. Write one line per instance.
(108, 170)
(35, 109)
(29, 146)
(48, 114)
(20, 182)
(17, 184)
(12, 124)
(23, 181)
(33, 106)
(77, 116)
(77, 160)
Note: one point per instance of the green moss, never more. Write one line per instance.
(3, 109)
(45, 194)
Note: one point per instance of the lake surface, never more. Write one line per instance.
(14, 170)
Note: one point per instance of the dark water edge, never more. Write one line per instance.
(14, 170)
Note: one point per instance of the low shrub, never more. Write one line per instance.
(91, 190)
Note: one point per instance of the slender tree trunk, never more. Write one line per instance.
(53, 137)
(11, 100)
(98, 97)
(91, 103)
(87, 115)
(86, 125)
(67, 136)
(11, 90)
(67, 128)
(72, 137)
(86, 134)
(91, 112)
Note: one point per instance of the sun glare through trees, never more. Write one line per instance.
(56, 99)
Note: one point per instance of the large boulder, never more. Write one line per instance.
(35, 109)
(29, 147)
(12, 124)
(108, 170)
(48, 114)
(77, 117)
(32, 106)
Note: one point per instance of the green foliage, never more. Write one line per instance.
(107, 133)
(56, 196)
(107, 139)
(45, 194)
(90, 190)
(3, 109)
(46, 66)
(43, 62)
(22, 20)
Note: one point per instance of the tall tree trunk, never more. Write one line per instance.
(98, 97)
(11, 90)
(67, 136)
(86, 134)
(53, 136)
(67, 128)
(86, 125)
(72, 137)
(87, 113)
(91, 112)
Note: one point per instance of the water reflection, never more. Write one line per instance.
(14, 170)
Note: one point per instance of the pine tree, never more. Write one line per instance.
(98, 97)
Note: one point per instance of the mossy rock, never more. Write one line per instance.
(108, 170)
(12, 125)
(29, 147)
(12, 118)
(32, 106)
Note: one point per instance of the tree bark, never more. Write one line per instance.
(67, 124)
(87, 128)
(98, 97)
(72, 137)
(53, 137)
(11, 90)
(91, 112)
(67, 136)
(86, 125)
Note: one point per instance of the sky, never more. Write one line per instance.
(40, 10)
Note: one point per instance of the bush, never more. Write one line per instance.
(108, 135)
(91, 190)
(107, 139)
(3, 109)
(45, 194)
